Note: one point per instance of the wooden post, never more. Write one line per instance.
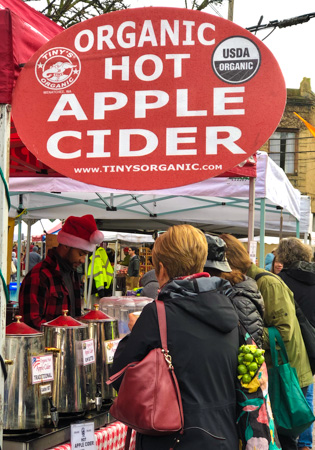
(231, 10)
(251, 210)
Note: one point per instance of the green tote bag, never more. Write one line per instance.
(291, 412)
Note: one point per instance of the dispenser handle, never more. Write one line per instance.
(52, 349)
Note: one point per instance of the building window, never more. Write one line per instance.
(282, 150)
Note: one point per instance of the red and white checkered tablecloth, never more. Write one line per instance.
(111, 437)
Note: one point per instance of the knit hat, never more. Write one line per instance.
(80, 232)
(216, 258)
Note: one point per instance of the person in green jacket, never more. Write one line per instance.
(279, 313)
(103, 273)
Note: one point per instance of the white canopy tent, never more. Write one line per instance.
(127, 237)
(215, 205)
(37, 229)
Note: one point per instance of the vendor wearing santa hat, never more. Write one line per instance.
(53, 285)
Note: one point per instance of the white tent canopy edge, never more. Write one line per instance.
(217, 204)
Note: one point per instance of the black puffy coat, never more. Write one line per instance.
(250, 307)
(300, 278)
(202, 328)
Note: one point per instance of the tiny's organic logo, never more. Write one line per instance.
(57, 68)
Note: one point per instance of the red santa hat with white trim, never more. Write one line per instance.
(80, 232)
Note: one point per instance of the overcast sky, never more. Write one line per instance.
(293, 47)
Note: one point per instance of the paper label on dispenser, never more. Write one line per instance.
(85, 352)
(42, 368)
(82, 435)
(110, 348)
(45, 389)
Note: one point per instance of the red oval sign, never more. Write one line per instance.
(148, 98)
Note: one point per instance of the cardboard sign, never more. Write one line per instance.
(253, 251)
(82, 436)
(45, 389)
(42, 368)
(110, 349)
(85, 353)
(88, 352)
(149, 98)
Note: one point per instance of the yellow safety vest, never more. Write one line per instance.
(103, 272)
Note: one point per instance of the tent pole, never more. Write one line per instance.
(281, 223)
(262, 232)
(86, 266)
(297, 228)
(89, 305)
(5, 110)
(251, 210)
(115, 268)
(18, 274)
(28, 241)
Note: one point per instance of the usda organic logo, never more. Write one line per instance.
(236, 60)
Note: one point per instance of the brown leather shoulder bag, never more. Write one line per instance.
(149, 399)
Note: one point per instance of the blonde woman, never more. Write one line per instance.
(202, 330)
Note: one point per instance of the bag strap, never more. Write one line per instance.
(262, 274)
(275, 336)
(128, 438)
(160, 307)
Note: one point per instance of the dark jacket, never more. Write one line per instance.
(202, 328)
(250, 308)
(300, 278)
(43, 294)
(150, 285)
(134, 266)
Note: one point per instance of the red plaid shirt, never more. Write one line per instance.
(43, 294)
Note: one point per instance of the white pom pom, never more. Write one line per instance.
(96, 237)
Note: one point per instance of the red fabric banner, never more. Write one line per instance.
(23, 30)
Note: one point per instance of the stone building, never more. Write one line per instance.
(292, 146)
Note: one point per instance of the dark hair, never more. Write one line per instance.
(292, 249)
(213, 272)
(234, 277)
(236, 254)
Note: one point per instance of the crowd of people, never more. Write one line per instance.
(209, 285)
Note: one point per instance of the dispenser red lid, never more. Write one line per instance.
(20, 328)
(64, 321)
(95, 315)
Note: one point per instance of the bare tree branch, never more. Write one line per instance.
(69, 12)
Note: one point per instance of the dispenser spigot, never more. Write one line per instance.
(53, 413)
(98, 398)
